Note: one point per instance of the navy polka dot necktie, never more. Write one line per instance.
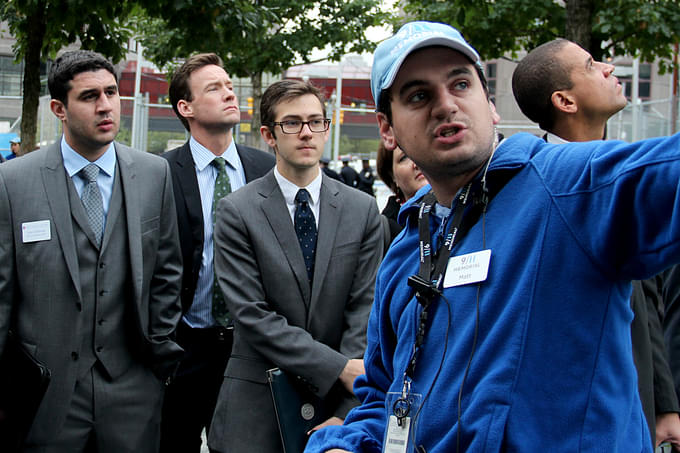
(222, 189)
(305, 228)
(91, 197)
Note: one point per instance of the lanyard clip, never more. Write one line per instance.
(426, 292)
(406, 389)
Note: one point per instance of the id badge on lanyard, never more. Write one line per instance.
(402, 421)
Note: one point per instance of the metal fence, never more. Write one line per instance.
(644, 120)
(154, 127)
(635, 122)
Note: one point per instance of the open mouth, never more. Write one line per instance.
(448, 132)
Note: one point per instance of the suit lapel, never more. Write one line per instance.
(247, 164)
(186, 175)
(131, 192)
(114, 210)
(329, 218)
(276, 212)
(54, 178)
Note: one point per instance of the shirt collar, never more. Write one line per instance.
(74, 162)
(204, 157)
(290, 190)
(554, 139)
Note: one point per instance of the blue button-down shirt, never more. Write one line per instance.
(200, 312)
(74, 162)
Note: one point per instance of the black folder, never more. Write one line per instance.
(298, 410)
(23, 382)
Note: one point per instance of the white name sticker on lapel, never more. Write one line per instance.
(36, 231)
(465, 269)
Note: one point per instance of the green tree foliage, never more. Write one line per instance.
(257, 37)
(644, 28)
(42, 27)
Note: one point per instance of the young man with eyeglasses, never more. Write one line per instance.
(296, 259)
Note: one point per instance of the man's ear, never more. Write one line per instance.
(185, 109)
(386, 132)
(564, 102)
(58, 108)
(494, 114)
(267, 136)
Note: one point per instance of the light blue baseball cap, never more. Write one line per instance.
(391, 53)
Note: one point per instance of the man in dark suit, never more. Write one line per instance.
(298, 303)
(91, 270)
(571, 96)
(348, 174)
(203, 98)
(366, 178)
(323, 163)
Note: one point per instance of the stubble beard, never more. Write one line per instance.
(441, 171)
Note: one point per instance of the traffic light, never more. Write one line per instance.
(250, 105)
(342, 116)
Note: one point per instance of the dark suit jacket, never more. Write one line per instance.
(655, 381)
(188, 202)
(671, 320)
(279, 320)
(40, 281)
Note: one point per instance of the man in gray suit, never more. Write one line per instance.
(90, 270)
(305, 313)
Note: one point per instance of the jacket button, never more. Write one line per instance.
(99, 348)
(79, 306)
(74, 355)
(102, 292)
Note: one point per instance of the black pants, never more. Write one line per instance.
(191, 397)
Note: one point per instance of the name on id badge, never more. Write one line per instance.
(466, 269)
(36, 231)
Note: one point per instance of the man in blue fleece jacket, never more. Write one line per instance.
(525, 345)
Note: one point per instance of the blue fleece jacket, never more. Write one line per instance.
(552, 368)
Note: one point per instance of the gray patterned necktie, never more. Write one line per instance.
(222, 189)
(92, 200)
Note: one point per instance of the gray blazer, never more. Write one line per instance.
(279, 320)
(39, 281)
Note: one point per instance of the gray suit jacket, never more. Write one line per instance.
(39, 281)
(279, 320)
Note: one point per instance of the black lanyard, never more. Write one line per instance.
(429, 280)
(427, 272)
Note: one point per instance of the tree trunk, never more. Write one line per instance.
(255, 121)
(31, 95)
(578, 26)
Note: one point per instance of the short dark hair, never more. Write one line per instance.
(283, 91)
(537, 77)
(179, 84)
(385, 169)
(385, 99)
(70, 64)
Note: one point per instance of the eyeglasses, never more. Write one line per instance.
(295, 126)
